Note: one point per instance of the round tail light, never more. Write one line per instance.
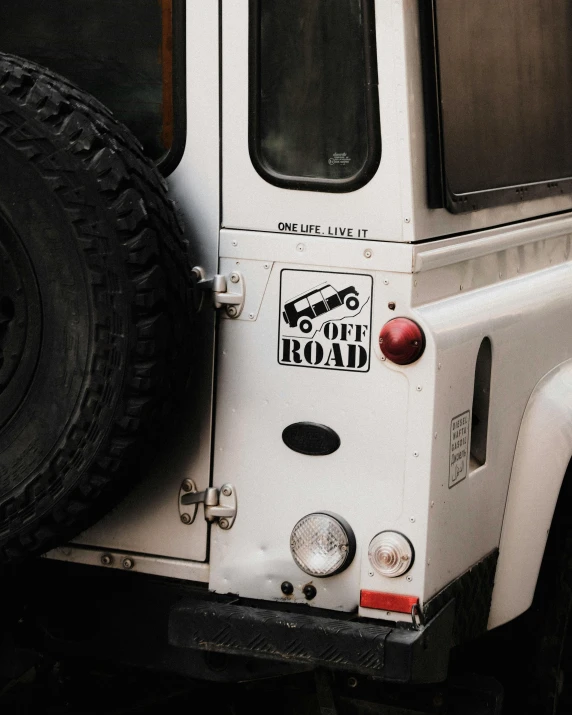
(322, 544)
(402, 341)
(391, 554)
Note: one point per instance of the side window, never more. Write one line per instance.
(314, 109)
(498, 98)
(329, 292)
(128, 54)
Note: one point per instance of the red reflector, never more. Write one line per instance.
(387, 601)
(402, 341)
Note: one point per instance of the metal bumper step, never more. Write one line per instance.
(394, 654)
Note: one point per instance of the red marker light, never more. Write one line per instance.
(402, 341)
(387, 601)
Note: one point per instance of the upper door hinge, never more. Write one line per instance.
(227, 291)
(219, 504)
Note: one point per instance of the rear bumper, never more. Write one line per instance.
(393, 654)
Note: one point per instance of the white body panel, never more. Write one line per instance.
(393, 468)
(543, 452)
(392, 206)
(148, 522)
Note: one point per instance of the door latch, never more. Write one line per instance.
(227, 291)
(219, 504)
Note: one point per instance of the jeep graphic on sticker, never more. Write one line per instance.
(325, 320)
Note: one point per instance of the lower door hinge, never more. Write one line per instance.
(227, 291)
(219, 504)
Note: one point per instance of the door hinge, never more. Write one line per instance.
(219, 504)
(227, 291)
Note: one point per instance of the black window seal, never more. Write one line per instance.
(374, 143)
(169, 162)
(439, 195)
(431, 105)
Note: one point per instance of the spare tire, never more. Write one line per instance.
(95, 303)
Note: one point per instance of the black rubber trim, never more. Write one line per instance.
(472, 592)
(369, 169)
(172, 158)
(393, 654)
(431, 105)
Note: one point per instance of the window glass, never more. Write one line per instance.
(315, 115)
(301, 305)
(505, 84)
(328, 292)
(119, 51)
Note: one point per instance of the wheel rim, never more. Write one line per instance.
(20, 322)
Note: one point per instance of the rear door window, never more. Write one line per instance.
(314, 120)
(127, 53)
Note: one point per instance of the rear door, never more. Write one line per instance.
(133, 57)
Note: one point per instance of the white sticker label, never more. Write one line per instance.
(325, 320)
(459, 458)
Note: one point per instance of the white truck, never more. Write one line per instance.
(370, 305)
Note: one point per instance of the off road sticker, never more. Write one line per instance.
(459, 456)
(325, 320)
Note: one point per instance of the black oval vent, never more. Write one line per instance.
(311, 438)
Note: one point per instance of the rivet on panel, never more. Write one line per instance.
(235, 243)
(300, 247)
(368, 253)
(386, 282)
(415, 454)
(410, 578)
(419, 388)
(412, 519)
(251, 316)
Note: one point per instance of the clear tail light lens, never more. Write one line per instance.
(322, 544)
(391, 554)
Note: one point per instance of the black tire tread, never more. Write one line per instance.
(101, 444)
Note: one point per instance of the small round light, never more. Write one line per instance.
(402, 341)
(391, 554)
(322, 544)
